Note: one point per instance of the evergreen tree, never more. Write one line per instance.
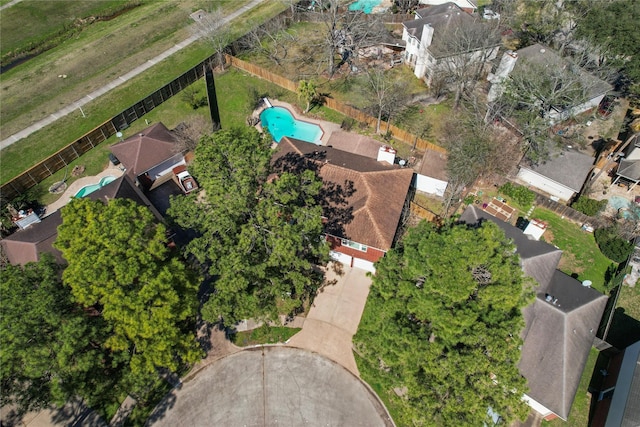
(120, 266)
(258, 237)
(442, 323)
(50, 349)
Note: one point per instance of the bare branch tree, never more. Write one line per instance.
(386, 94)
(345, 32)
(270, 40)
(211, 27)
(189, 132)
(463, 52)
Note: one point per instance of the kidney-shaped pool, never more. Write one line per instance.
(280, 122)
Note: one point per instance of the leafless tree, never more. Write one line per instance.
(386, 94)
(211, 27)
(463, 53)
(406, 6)
(475, 150)
(535, 95)
(345, 32)
(189, 132)
(270, 40)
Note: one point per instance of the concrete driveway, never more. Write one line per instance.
(272, 386)
(334, 317)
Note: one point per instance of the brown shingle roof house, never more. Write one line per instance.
(26, 245)
(150, 155)
(363, 199)
(560, 325)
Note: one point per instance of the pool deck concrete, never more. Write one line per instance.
(76, 185)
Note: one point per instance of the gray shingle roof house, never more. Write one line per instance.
(561, 176)
(629, 167)
(363, 199)
(26, 245)
(150, 156)
(430, 44)
(624, 407)
(542, 57)
(560, 325)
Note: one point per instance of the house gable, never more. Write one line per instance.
(151, 147)
(560, 325)
(364, 198)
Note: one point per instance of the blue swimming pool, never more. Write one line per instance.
(364, 5)
(621, 205)
(279, 122)
(88, 189)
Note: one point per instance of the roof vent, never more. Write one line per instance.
(543, 50)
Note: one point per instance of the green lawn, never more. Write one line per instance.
(264, 335)
(580, 251)
(29, 23)
(29, 151)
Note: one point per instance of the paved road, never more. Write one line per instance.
(272, 386)
(334, 317)
(115, 83)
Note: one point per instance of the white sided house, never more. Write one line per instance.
(430, 45)
(543, 57)
(468, 6)
(562, 176)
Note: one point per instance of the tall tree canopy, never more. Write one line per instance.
(258, 237)
(119, 265)
(442, 326)
(50, 349)
(613, 27)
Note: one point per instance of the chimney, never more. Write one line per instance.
(427, 36)
(387, 154)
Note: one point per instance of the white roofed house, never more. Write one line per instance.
(444, 38)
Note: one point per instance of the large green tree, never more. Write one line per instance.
(119, 265)
(258, 237)
(50, 349)
(442, 326)
(613, 28)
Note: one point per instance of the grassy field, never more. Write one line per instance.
(98, 54)
(264, 335)
(30, 25)
(580, 251)
(27, 152)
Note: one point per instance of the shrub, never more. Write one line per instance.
(612, 245)
(589, 206)
(522, 195)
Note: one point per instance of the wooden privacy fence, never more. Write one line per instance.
(422, 212)
(564, 210)
(347, 110)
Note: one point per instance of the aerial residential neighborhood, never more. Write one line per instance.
(320, 212)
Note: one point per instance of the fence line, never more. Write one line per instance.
(564, 210)
(347, 110)
(423, 212)
(60, 159)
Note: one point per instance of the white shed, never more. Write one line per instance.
(561, 176)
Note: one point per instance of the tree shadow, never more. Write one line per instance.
(333, 197)
(624, 330)
(167, 403)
